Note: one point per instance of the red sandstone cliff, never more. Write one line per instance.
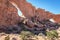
(57, 18)
(29, 11)
(9, 15)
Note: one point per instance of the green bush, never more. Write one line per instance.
(26, 35)
(52, 34)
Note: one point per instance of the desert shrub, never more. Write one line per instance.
(7, 38)
(26, 35)
(52, 34)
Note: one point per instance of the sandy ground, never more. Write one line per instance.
(3, 35)
(16, 36)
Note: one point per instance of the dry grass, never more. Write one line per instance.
(24, 35)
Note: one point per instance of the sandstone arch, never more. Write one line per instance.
(6, 10)
(29, 11)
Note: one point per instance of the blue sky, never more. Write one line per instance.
(49, 5)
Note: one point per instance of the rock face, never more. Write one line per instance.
(57, 18)
(8, 13)
(35, 22)
(29, 11)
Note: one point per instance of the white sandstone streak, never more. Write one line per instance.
(52, 20)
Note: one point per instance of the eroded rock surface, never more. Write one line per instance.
(29, 11)
(8, 13)
(35, 22)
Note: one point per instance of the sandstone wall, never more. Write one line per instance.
(8, 13)
(29, 11)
